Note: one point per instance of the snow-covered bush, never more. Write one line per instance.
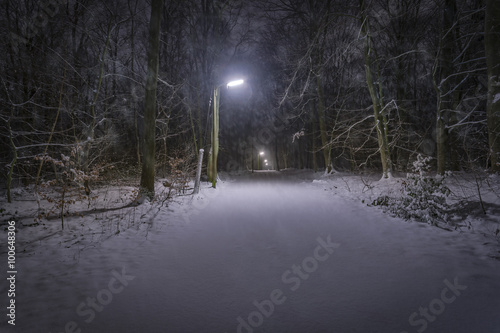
(423, 197)
(67, 188)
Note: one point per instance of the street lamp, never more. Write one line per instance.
(235, 83)
(212, 160)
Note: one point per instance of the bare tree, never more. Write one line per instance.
(492, 44)
(444, 83)
(148, 161)
(376, 92)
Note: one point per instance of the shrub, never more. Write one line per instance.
(67, 188)
(423, 196)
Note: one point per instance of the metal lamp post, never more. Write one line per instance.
(214, 151)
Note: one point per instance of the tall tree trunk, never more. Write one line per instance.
(198, 119)
(323, 22)
(193, 130)
(314, 158)
(322, 125)
(148, 160)
(276, 155)
(443, 88)
(13, 163)
(133, 12)
(376, 96)
(492, 44)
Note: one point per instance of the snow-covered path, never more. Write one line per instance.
(267, 254)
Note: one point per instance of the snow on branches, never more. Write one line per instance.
(67, 185)
(423, 196)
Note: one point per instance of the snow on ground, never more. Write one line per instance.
(266, 252)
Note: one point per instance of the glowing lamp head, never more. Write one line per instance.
(235, 83)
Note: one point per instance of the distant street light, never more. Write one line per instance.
(214, 151)
(258, 159)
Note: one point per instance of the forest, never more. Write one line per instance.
(358, 86)
(348, 151)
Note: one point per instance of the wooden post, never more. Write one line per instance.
(198, 173)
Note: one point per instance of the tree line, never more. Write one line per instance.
(330, 85)
(374, 83)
